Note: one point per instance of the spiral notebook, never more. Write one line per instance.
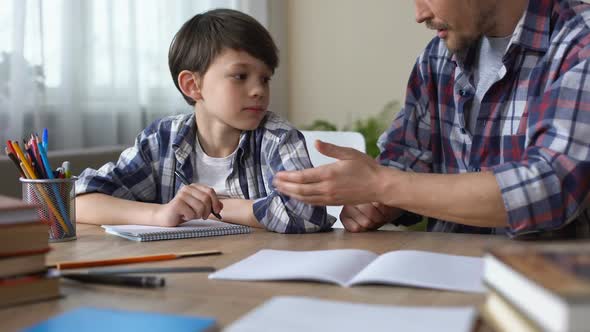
(189, 229)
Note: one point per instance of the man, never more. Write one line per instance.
(494, 136)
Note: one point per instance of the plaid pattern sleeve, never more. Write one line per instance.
(406, 144)
(532, 129)
(548, 187)
(131, 177)
(286, 150)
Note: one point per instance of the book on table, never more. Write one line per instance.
(89, 319)
(13, 210)
(294, 314)
(547, 285)
(189, 229)
(504, 317)
(23, 237)
(23, 248)
(20, 228)
(25, 263)
(349, 267)
(28, 288)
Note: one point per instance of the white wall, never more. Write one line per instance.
(278, 27)
(346, 59)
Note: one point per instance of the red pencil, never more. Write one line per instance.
(15, 161)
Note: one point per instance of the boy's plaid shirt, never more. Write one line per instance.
(145, 172)
(533, 129)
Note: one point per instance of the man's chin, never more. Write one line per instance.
(455, 45)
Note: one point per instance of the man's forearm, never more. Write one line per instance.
(101, 209)
(470, 198)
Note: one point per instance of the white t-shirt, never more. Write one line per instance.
(489, 62)
(212, 172)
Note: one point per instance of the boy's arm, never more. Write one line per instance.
(121, 192)
(132, 177)
(101, 209)
(191, 202)
(239, 211)
(278, 212)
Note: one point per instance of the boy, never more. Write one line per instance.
(230, 146)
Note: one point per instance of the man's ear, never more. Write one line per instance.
(190, 84)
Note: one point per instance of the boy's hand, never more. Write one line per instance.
(195, 201)
(367, 217)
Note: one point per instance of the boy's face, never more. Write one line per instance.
(459, 23)
(235, 90)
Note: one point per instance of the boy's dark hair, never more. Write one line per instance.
(204, 36)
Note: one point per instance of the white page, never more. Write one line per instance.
(295, 314)
(336, 266)
(141, 229)
(425, 269)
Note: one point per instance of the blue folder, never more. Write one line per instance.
(88, 319)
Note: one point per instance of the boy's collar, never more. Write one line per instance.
(184, 141)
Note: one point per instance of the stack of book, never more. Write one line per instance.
(538, 288)
(23, 247)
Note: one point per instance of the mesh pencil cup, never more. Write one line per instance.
(55, 199)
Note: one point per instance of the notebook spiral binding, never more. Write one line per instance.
(204, 232)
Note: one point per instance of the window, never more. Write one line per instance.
(94, 72)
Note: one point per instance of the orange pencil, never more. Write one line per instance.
(129, 260)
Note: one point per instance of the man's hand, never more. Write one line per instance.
(367, 217)
(353, 179)
(194, 201)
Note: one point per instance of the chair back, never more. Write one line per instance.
(343, 138)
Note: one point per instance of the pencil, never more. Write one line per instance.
(118, 280)
(129, 260)
(186, 183)
(31, 175)
(26, 166)
(15, 161)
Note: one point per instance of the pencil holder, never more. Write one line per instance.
(55, 200)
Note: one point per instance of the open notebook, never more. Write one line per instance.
(349, 267)
(294, 314)
(192, 228)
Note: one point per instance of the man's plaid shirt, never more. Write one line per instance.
(533, 129)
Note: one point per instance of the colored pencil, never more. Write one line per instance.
(130, 260)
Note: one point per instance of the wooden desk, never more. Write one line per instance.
(194, 294)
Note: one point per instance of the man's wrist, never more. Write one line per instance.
(389, 185)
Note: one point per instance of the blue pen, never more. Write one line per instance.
(49, 172)
(46, 164)
(45, 138)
